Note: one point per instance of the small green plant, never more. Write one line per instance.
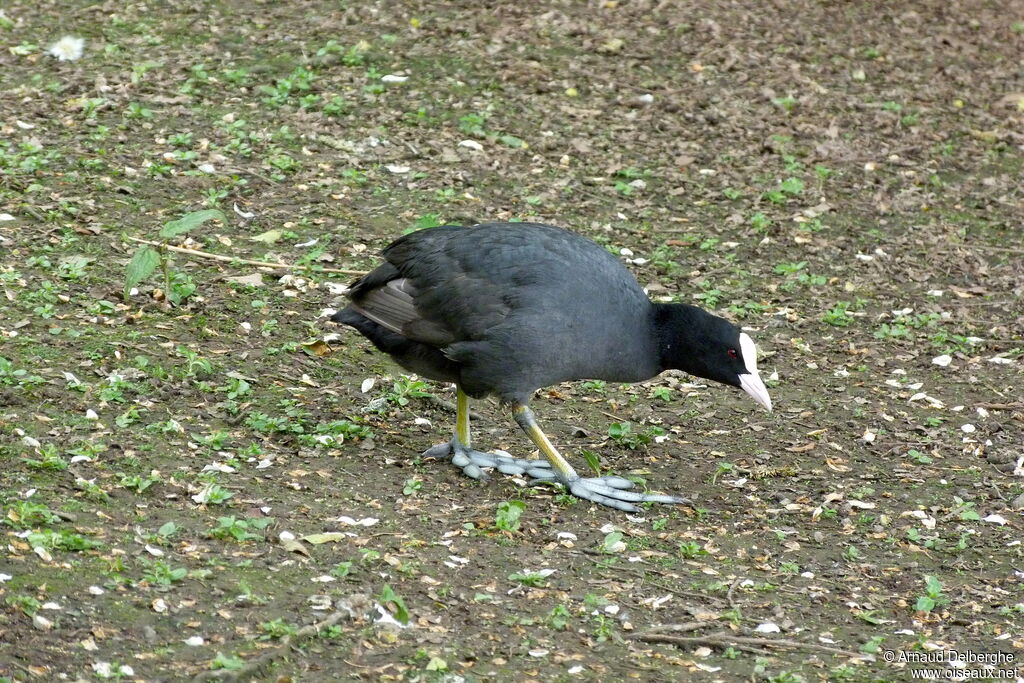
(137, 483)
(147, 258)
(622, 433)
(12, 376)
(873, 644)
(277, 628)
(240, 529)
(162, 574)
(342, 569)
(26, 603)
(412, 486)
(691, 549)
(966, 510)
(592, 459)
(214, 494)
(787, 103)
(893, 331)
(334, 434)
(723, 468)
(195, 365)
(760, 222)
(405, 388)
(137, 111)
(526, 578)
(838, 315)
(613, 542)
(473, 124)
(662, 393)
(49, 459)
(395, 603)
(25, 514)
(424, 222)
(227, 662)
(559, 617)
(919, 457)
(506, 518)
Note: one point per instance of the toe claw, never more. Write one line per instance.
(438, 452)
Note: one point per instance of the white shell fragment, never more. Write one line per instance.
(365, 521)
(942, 360)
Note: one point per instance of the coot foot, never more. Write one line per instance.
(612, 491)
(472, 462)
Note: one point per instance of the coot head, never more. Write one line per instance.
(707, 346)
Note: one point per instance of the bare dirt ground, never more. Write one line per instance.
(216, 489)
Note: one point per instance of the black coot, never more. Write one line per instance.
(507, 308)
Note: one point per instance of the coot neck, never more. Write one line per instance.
(677, 327)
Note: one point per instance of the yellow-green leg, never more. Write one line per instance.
(462, 417)
(524, 416)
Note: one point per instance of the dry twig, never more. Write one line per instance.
(248, 262)
(724, 639)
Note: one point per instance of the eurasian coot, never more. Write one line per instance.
(506, 308)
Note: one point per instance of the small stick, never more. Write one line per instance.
(985, 247)
(250, 262)
(726, 640)
(732, 589)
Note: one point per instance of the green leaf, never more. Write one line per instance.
(924, 604)
(932, 585)
(190, 221)
(792, 186)
(437, 664)
(508, 514)
(611, 541)
(388, 597)
(512, 141)
(268, 237)
(142, 265)
(326, 537)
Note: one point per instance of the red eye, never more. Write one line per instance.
(732, 353)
